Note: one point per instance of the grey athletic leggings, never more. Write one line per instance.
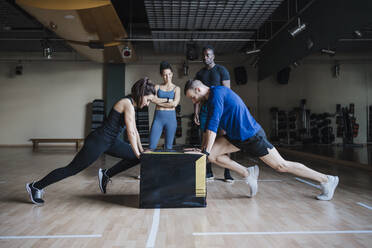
(163, 119)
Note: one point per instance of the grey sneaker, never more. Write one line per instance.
(328, 188)
(251, 180)
(36, 195)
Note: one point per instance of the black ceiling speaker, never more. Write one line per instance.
(240, 75)
(191, 51)
(283, 76)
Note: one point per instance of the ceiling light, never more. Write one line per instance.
(328, 51)
(253, 50)
(358, 34)
(69, 17)
(296, 30)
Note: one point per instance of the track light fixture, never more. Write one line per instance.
(297, 30)
(254, 50)
(328, 51)
(358, 34)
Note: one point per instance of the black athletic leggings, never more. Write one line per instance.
(94, 146)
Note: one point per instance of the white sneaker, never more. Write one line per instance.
(328, 188)
(251, 180)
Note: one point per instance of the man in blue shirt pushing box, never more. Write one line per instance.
(226, 110)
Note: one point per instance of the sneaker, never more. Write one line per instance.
(251, 180)
(210, 177)
(328, 188)
(103, 179)
(35, 194)
(227, 177)
(209, 174)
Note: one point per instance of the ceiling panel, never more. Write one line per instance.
(184, 17)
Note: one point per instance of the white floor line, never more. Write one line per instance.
(52, 236)
(263, 180)
(309, 183)
(283, 233)
(154, 229)
(364, 205)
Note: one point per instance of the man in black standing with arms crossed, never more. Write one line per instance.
(211, 75)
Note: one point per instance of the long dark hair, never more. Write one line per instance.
(141, 88)
(163, 66)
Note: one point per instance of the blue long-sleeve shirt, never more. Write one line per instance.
(228, 111)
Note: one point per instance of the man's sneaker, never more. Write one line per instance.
(103, 180)
(210, 176)
(328, 188)
(251, 180)
(35, 194)
(227, 176)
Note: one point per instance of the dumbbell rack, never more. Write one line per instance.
(284, 126)
(179, 123)
(142, 123)
(193, 134)
(347, 127)
(98, 113)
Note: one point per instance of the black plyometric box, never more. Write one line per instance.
(173, 180)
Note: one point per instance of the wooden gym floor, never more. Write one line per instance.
(283, 214)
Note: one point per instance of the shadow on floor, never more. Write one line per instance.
(131, 201)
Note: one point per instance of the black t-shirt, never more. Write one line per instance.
(214, 76)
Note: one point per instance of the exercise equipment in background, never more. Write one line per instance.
(98, 113)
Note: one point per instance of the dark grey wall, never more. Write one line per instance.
(114, 85)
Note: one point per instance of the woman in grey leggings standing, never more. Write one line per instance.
(166, 100)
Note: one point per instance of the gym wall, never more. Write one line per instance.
(48, 101)
(50, 98)
(313, 80)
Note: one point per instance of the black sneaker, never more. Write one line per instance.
(210, 177)
(227, 177)
(103, 179)
(209, 174)
(35, 194)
